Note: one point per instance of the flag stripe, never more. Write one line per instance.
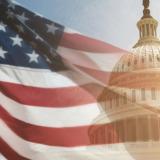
(37, 151)
(21, 146)
(51, 117)
(72, 96)
(80, 42)
(74, 136)
(112, 78)
(100, 76)
(48, 79)
(101, 61)
(41, 78)
(47, 114)
(8, 152)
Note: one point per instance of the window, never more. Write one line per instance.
(155, 31)
(143, 128)
(143, 94)
(124, 98)
(154, 128)
(143, 30)
(120, 130)
(147, 26)
(158, 58)
(131, 130)
(101, 135)
(129, 63)
(110, 103)
(96, 137)
(109, 133)
(152, 29)
(150, 58)
(92, 139)
(117, 100)
(153, 93)
(122, 66)
(133, 96)
(135, 61)
(140, 31)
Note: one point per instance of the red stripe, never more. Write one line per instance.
(77, 57)
(8, 152)
(99, 75)
(80, 42)
(66, 137)
(57, 97)
(113, 78)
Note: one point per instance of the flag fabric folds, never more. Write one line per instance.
(50, 80)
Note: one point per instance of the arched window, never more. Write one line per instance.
(96, 137)
(120, 130)
(147, 26)
(122, 66)
(158, 58)
(125, 98)
(150, 58)
(101, 135)
(143, 128)
(153, 93)
(110, 102)
(152, 30)
(143, 94)
(154, 129)
(117, 100)
(131, 130)
(92, 139)
(110, 133)
(155, 31)
(143, 28)
(133, 96)
(135, 61)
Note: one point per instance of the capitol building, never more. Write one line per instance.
(131, 103)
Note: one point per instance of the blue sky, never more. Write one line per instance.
(113, 21)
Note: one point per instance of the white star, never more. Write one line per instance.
(2, 53)
(33, 57)
(51, 28)
(2, 27)
(17, 41)
(22, 18)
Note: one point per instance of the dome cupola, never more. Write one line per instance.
(131, 101)
(147, 27)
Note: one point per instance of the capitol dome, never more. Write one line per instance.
(131, 102)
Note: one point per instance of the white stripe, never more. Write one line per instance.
(104, 62)
(40, 78)
(51, 117)
(71, 31)
(2, 157)
(37, 151)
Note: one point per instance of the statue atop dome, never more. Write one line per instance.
(146, 11)
(147, 26)
(146, 3)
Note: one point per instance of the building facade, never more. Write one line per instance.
(131, 103)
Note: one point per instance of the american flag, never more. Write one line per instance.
(50, 80)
